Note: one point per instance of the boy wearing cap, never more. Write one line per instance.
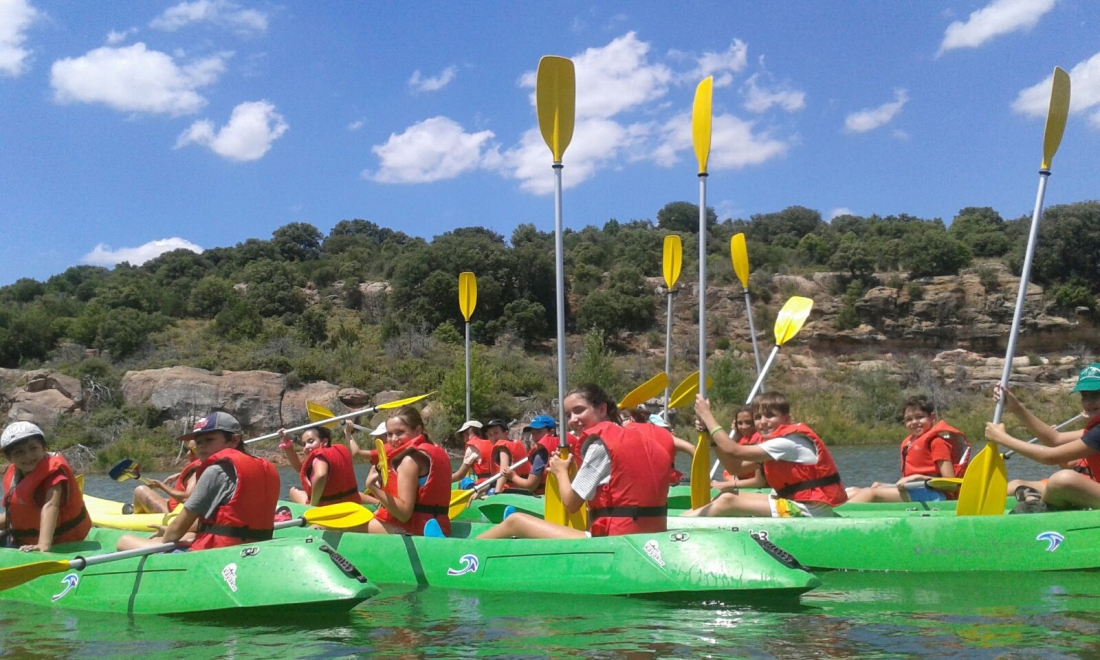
(543, 444)
(1067, 488)
(42, 503)
(479, 453)
(234, 497)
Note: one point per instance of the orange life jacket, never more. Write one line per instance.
(23, 502)
(662, 437)
(484, 467)
(249, 514)
(517, 451)
(635, 499)
(916, 453)
(753, 439)
(341, 485)
(819, 482)
(181, 481)
(433, 499)
(1092, 461)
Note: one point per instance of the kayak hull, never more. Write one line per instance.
(696, 565)
(201, 583)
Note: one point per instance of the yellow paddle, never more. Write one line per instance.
(673, 258)
(739, 253)
(685, 392)
(319, 413)
(383, 462)
(986, 479)
(355, 413)
(460, 499)
(467, 301)
(645, 391)
(790, 320)
(700, 139)
(337, 516)
(555, 104)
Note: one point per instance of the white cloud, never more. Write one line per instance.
(15, 17)
(433, 84)
(357, 124)
(997, 18)
(135, 79)
(758, 99)
(252, 128)
(872, 118)
(733, 145)
(103, 255)
(115, 37)
(722, 65)
(223, 13)
(432, 150)
(1035, 100)
(837, 212)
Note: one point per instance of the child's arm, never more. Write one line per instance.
(734, 456)
(401, 505)
(286, 443)
(683, 446)
(559, 467)
(1046, 433)
(1038, 453)
(318, 480)
(47, 522)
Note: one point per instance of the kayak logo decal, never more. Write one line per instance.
(70, 581)
(229, 574)
(469, 565)
(653, 549)
(1053, 539)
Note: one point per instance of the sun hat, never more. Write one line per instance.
(470, 424)
(379, 430)
(657, 420)
(18, 432)
(215, 421)
(541, 422)
(1088, 380)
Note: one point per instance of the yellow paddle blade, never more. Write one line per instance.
(343, 515)
(555, 102)
(17, 575)
(317, 412)
(402, 402)
(460, 499)
(700, 122)
(467, 294)
(80, 482)
(945, 484)
(645, 391)
(791, 318)
(553, 508)
(383, 462)
(673, 259)
(1056, 115)
(740, 256)
(700, 472)
(686, 391)
(984, 486)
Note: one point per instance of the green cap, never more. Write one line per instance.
(1088, 380)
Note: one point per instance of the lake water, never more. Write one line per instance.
(852, 615)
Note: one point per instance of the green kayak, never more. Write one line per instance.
(696, 565)
(301, 573)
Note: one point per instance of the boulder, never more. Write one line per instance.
(41, 407)
(353, 398)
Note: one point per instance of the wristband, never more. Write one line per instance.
(286, 444)
(715, 430)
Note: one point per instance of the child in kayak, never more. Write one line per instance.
(624, 476)
(1067, 488)
(797, 465)
(656, 428)
(752, 477)
(506, 452)
(42, 504)
(146, 499)
(543, 444)
(327, 473)
(419, 484)
(479, 454)
(235, 494)
(933, 448)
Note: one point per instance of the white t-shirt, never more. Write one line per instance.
(595, 471)
(472, 456)
(794, 449)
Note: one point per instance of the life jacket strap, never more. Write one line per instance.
(629, 512)
(791, 489)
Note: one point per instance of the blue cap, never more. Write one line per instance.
(541, 422)
(657, 420)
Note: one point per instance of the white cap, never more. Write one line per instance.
(380, 430)
(470, 424)
(19, 431)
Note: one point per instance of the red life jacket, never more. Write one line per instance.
(1092, 461)
(249, 514)
(341, 485)
(181, 481)
(753, 439)
(517, 451)
(635, 499)
(433, 499)
(23, 502)
(662, 437)
(551, 442)
(916, 453)
(484, 467)
(819, 482)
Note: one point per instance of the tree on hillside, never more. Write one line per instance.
(297, 241)
(1069, 244)
(785, 228)
(982, 230)
(683, 217)
(933, 252)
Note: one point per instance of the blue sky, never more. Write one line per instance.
(129, 128)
